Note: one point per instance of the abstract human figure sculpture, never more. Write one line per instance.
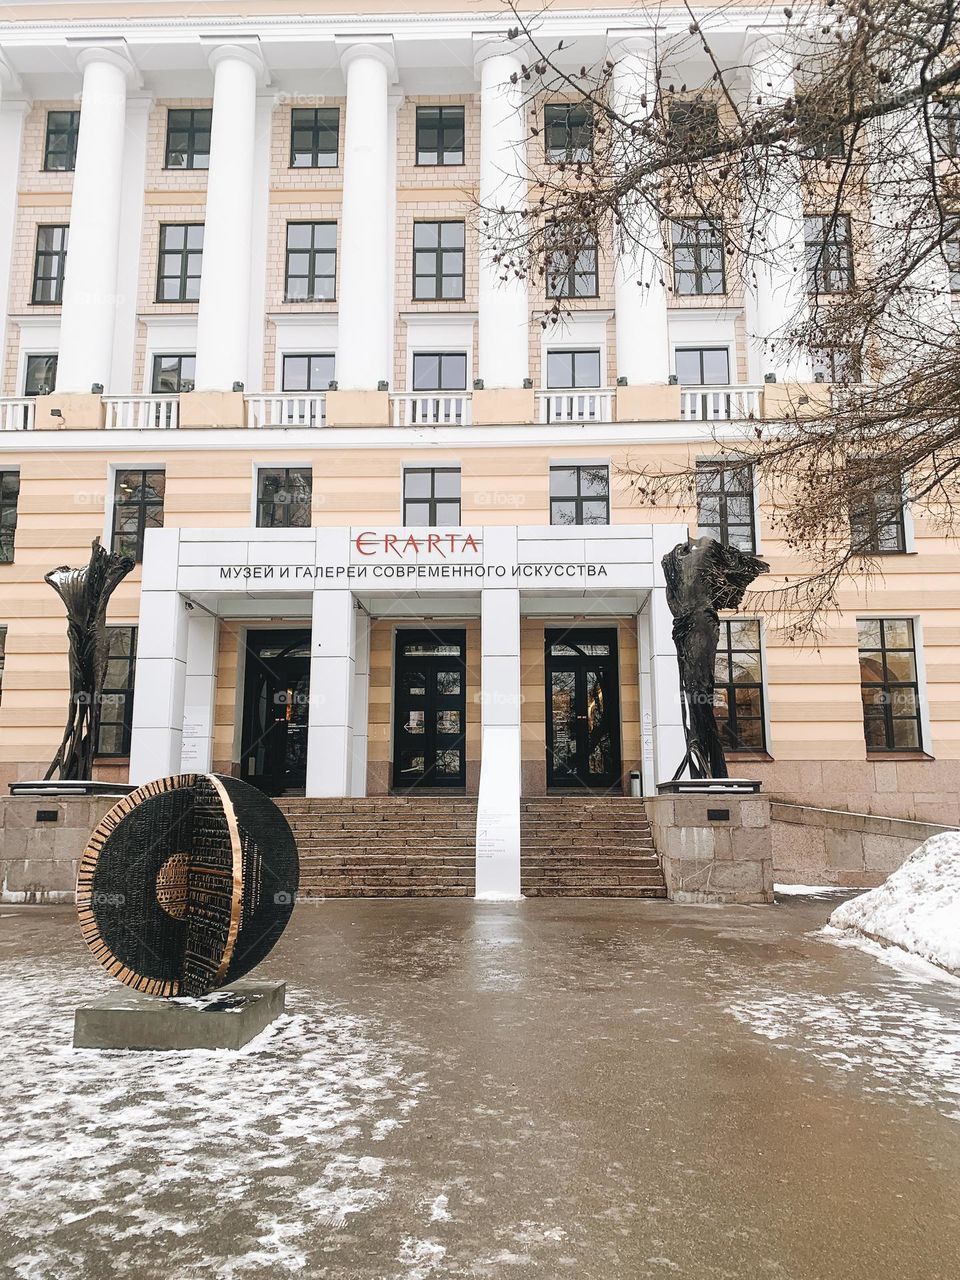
(85, 593)
(186, 884)
(702, 576)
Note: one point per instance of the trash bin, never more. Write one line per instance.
(636, 784)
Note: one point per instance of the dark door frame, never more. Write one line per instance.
(432, 703)
(580, 664)
(276, 779)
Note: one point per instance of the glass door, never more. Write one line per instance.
(430, 705)
(583, 708)
(276, 702)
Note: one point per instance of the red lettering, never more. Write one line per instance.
(360, 542)
(433, 542)
(469, 541)
(411, 544)
(390, 542)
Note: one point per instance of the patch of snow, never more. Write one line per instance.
(808, 890)
(917, 908)
(439, 1211)
(913, 967)
(420, 1258)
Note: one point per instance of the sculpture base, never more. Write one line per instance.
(224, 1019)
(69, 787)
(708, 786)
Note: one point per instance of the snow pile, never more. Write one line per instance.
(917, 908)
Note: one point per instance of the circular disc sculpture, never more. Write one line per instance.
(186, 884)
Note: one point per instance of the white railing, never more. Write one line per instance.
(286, 409)
(17, 413)
(141, 413)
(719, 404)
(576, 406)
(431, 409)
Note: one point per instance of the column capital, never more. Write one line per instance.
(624, 41)
(248, 52)
(380, 50)
(488, 45)
(112, 54)
(8, 77)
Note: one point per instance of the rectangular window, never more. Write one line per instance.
(9, 496)
(438, 258)
(440, 135)
(314, 137)
(3, 655)
(188, 138)
(835, 364)
(440, 371)
(951, 253)
(116, 707)
(702, 366)
(829, 254)
(311, 270)
(580, 495)
(947, 127)
(738, 694)
(698, 266)
(60, 147)
(694, 124)
(49, 264)
(431, 496)
(568, 128)
(284, 497)
(308, 372)
(40, 375)
(725, 503)
(888, 684)
(572, 264)
(173, 374)
(137, 507)
(818, 136)
(876, 520)
(573, 369)
(181, 256)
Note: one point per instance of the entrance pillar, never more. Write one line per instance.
(498, 805)
(330, 721)
(200, 690)
(159, 686)
(361, 703)
(659, 674)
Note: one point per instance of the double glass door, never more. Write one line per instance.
(276, 702)
(430, 703)
(583, 708)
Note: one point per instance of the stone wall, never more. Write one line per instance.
(39, 856)
(707, 857)
(833, 846)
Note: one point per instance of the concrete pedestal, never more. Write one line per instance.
(714, 847)
(225, 1019)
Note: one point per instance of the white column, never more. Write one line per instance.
(504, 313)
(330, 721)
(361, 704)
(364, 351)
(200, 691)
(11, 134)
(129, 250)
(160, 677)
(88, 315)
(498, 803)
(775, 291)
(658, 655)
(640, 295)
(223, 320)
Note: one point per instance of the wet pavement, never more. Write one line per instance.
(590, 1089)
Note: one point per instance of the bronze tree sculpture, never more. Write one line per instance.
(85, 593)
(702, 576)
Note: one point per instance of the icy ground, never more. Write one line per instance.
(917, 908)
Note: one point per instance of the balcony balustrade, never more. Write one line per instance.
(431, 409)
(595, 405)
(17, 413)
(719, 404)
(141, 413)
(286, 409)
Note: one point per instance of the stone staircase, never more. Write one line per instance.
(384, 846)
(423, 846)
(582, 846)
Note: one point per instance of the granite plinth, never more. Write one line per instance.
(224, 1019)
(703, 786)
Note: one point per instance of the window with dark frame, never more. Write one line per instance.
(580, 495)
(738, 693)
(9, 497)
(889, 685)
(702, 366)
(179, 262)
(49, 263)
(829, 253)
(60, 144)
(173, 374)
(946, 119)
(876, 520)
(284, 497)
(439, 371)
(40, 375)
(568, 132)
(438, 261)
(573, 369)
(572, 264)
(725, 503)
(188, 138)
(308, 372)
(835, 364)
(440, 135)
(698, 264)
(694, 123)
(818, 136)
(116, 700)
(431, 496)
(137, 506)
(951, 254)
(3, 655)
(314, 137)
(311, 262)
